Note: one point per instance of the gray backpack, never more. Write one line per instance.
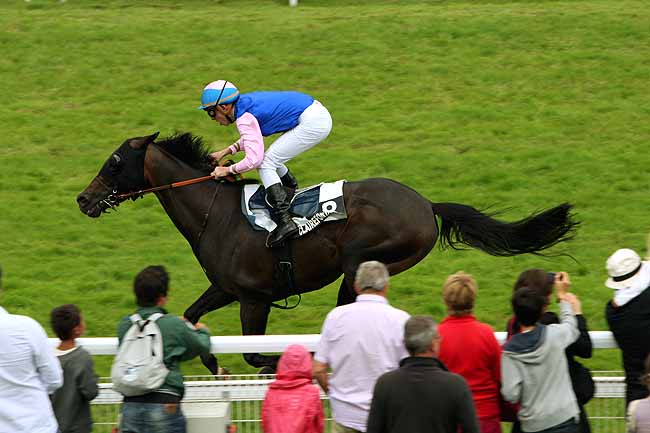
(138, 367)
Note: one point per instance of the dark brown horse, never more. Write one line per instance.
(387, 221)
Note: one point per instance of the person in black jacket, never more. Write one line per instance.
(628, 316)
(421, 396)
(583, 383)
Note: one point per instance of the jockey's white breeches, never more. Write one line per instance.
(314, 125)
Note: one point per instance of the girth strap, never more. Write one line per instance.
(283, 276)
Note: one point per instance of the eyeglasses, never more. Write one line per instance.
(212, 111)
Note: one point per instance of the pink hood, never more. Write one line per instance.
(294, 368)
(292, 404)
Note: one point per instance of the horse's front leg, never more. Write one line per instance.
(210, 300)
(347, 295)
(254, 316)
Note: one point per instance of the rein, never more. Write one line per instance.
(138, 194)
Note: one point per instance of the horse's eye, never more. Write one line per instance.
(115, 163)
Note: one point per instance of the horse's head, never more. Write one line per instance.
(122, 172)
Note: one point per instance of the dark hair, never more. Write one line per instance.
(149, 285)
(537, 279)
(528, 305)
(64, 319)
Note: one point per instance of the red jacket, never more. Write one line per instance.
(469, 348)
(292, 403)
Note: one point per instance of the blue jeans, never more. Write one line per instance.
(569, 426)
(152, 418)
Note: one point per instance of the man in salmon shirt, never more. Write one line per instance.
(292, 403)
(469, 348)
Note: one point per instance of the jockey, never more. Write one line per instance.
(303, 122)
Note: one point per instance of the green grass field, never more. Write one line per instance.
(515, 105)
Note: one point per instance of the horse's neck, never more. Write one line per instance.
(185, 206)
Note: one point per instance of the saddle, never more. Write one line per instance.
(309, 208)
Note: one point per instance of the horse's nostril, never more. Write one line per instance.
(82, 200)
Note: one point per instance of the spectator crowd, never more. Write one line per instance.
(383, 370)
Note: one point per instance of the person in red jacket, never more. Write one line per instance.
(292, 403)
(469, 348)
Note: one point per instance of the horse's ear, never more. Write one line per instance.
(142, 142)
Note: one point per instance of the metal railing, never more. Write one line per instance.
(606, 410)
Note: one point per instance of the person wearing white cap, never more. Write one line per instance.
(303, 122)
(628, 315)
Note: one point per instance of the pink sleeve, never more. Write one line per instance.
(234, 148)
(251, 142)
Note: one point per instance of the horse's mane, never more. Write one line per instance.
(188, 148)
(193, 151)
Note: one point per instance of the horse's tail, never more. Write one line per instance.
(466, 225)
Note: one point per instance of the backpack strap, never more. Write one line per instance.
(136, 319)
(155, 316)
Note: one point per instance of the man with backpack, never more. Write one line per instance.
(152, 345)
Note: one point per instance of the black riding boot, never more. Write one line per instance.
(279, 199)
(289, 180)
(290, 183)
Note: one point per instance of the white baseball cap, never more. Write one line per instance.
(624, 268)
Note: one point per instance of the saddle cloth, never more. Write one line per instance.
(309, 207)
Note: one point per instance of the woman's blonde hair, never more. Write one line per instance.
(459, 293)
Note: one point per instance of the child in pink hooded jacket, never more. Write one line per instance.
(292, 403)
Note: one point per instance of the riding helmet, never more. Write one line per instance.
(218, 93)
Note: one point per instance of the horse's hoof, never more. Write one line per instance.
(223, 371)
(266, 370)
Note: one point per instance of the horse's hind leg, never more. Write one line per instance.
(254, 316)
(210, 300)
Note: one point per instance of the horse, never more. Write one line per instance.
(387, 221)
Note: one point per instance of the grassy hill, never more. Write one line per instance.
(514, 105)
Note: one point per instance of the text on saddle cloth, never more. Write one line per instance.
(310, 206)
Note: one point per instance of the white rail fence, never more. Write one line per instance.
(246, 392)
(278, 343)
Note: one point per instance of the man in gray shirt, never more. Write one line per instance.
(534, 371)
